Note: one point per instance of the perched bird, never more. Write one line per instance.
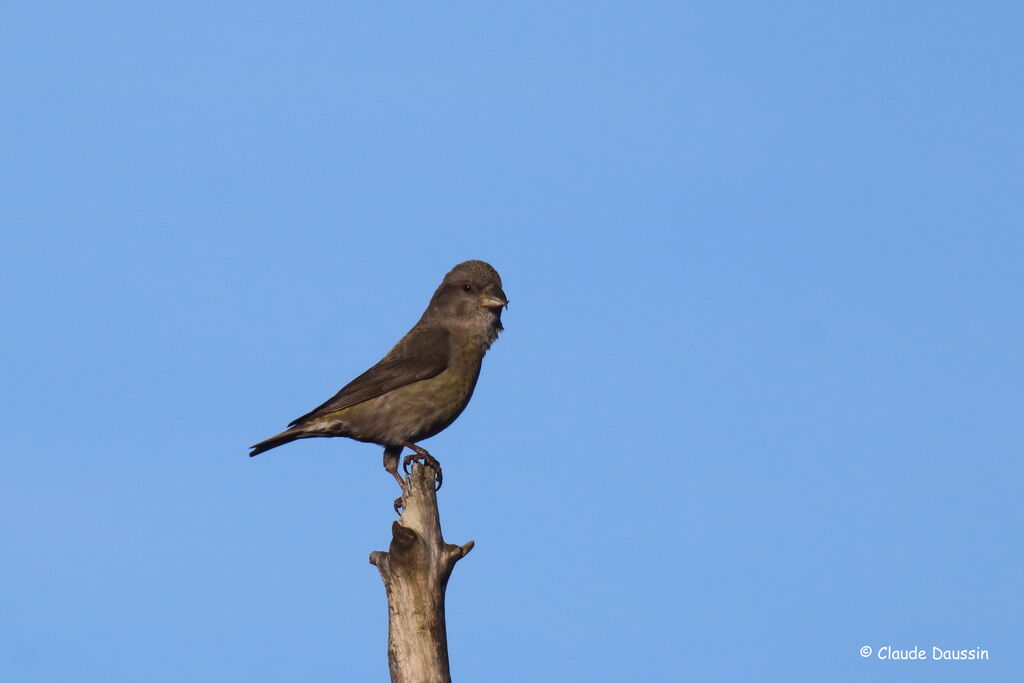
(424, 382)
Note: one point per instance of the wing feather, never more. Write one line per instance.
(420, 355)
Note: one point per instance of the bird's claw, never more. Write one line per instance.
(428, 461)
(399, 505)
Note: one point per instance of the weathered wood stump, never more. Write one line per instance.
(415, 571)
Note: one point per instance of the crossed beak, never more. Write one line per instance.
(494, 299)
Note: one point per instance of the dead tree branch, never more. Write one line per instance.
(415, 571)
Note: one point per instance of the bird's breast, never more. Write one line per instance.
(422, 409)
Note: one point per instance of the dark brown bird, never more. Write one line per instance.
(424, 382)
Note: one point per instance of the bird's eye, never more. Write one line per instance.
(467, 287)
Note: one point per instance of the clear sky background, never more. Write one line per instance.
(758, 402)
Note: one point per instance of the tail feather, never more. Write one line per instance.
(284, 437)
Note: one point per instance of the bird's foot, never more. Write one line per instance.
(399, 505)
(397, 476)
(421, 455)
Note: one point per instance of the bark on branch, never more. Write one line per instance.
(415, 571)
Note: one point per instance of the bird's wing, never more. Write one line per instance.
(412, 360)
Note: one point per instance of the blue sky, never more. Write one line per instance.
(758, 402)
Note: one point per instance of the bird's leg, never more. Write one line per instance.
(396, 475)
(391, 454)
(391, 463)
(426, 458)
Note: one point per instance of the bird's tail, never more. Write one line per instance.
(278, 440)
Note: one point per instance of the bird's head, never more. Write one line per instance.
(470, 299)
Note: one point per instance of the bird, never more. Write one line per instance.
(423, 383)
